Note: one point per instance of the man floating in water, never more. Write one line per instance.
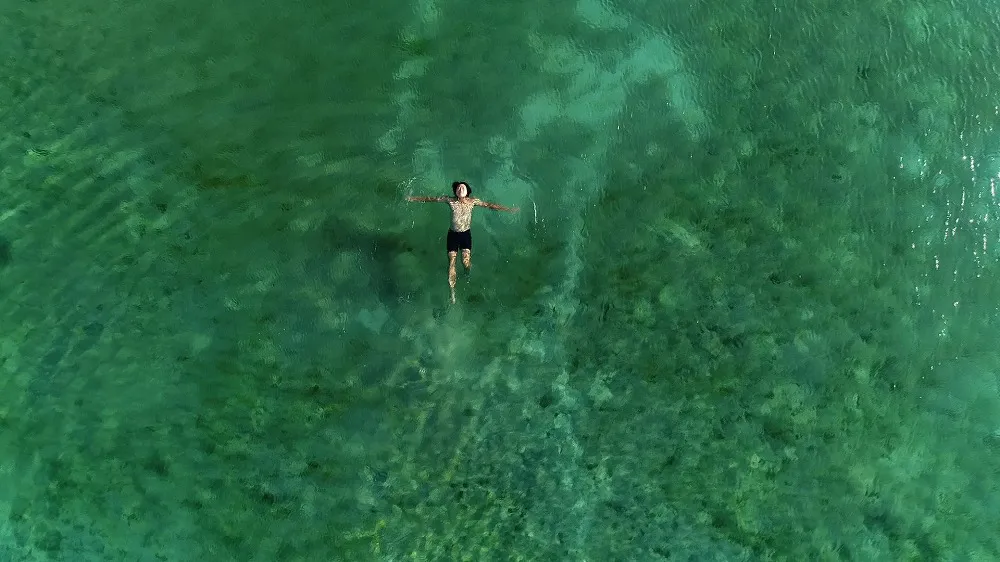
(460, 235)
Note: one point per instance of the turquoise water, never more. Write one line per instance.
(747, 310)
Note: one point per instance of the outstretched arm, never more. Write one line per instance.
(427, 199)
(495, 207)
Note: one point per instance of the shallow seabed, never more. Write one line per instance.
(747, 310)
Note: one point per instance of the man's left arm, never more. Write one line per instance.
(495, 207)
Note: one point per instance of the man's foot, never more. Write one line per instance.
(453, 296)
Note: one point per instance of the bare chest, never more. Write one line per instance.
(461, 214)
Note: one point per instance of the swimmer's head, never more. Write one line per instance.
(461, 189)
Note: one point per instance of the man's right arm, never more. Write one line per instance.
(426, 199)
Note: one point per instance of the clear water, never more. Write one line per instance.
(748, 309)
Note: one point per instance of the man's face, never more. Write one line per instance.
(462, 190)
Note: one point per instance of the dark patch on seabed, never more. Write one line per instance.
(6, 252)
(379, 250)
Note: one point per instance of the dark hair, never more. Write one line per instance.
(454, 188)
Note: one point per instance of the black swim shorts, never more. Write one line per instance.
(459, 240)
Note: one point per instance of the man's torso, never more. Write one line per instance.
(461, 213)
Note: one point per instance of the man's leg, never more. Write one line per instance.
(452, 275)
(467, 259)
